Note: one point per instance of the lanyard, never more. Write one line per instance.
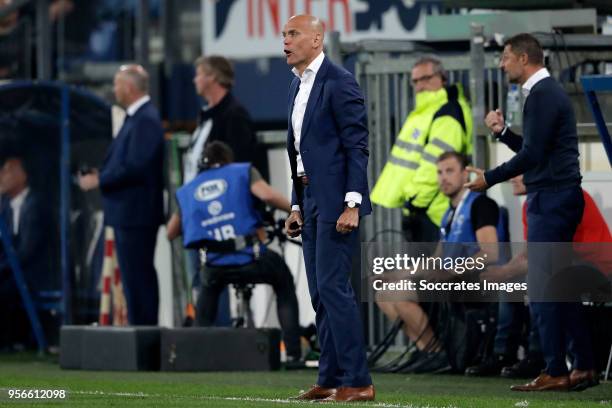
(451, 222)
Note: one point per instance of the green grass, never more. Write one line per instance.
(160, 389)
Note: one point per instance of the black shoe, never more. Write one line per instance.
(581, 380)
(491, 366)
(434, 362)
(415, 356)
(407, 358)
(526, 368)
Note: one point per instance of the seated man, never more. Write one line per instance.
(217, 212)
(471, 218)
(25, 215)
(592, 229)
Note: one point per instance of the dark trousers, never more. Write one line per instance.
(14, 322)
(328, 257)
(418, 227)
(513, 329)
(193, 266)
(553, 216)
(270, 268)
(135, 252)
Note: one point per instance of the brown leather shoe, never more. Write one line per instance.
(348, 394)
(545, 382)
(580, 380)
(316, 392)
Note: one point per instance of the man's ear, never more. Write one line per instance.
(317, 40)
(129, 88)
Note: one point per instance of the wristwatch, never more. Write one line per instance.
(351, 204)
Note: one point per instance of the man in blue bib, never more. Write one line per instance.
(471, 227)
(217, 212)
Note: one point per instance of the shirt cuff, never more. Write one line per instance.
(503, 132)
(295, 208)
(353, 196)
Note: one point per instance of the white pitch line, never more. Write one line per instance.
(243, 399)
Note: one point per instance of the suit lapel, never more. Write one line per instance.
(292, 94)
(124, 128)
(25, 209)
(6, 212)
(314, 96)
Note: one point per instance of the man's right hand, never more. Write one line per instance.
(293, 224)
(495, 121)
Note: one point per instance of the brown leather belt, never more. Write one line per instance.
(304, 180)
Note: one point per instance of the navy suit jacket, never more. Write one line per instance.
(548, 151)
(333, 142)
(131, 178)
(34, 245)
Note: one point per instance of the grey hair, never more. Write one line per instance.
(220, 67)
(137, 75)
(438, 68)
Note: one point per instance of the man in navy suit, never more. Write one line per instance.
(27, 217)
(131, 181)
(548, 155)
(327, 144)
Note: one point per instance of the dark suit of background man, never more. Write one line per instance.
(548, 156)
(328, 153)
(131, 181)
(28, 218)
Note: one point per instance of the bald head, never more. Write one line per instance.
(307, 20)
(303, 37)
(131, 83)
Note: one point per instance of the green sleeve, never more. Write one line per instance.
(446, 134)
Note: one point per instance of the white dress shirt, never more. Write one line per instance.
(131, 110)
(16, 205)
(307, 80)
(299, 106)
(534, 79)
(528, 85)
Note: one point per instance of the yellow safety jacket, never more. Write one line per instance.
(441, 121)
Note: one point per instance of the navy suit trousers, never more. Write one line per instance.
(553, 216)
(328, 258)
(135, 252)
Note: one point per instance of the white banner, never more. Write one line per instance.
(252, 28)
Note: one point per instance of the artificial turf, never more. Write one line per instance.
(263, 389)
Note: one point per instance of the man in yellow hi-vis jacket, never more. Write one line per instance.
(441, 121)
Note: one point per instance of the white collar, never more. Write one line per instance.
(464, 195)
(534, 79)
(314, 66)
(131, 110)
(18, 200)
